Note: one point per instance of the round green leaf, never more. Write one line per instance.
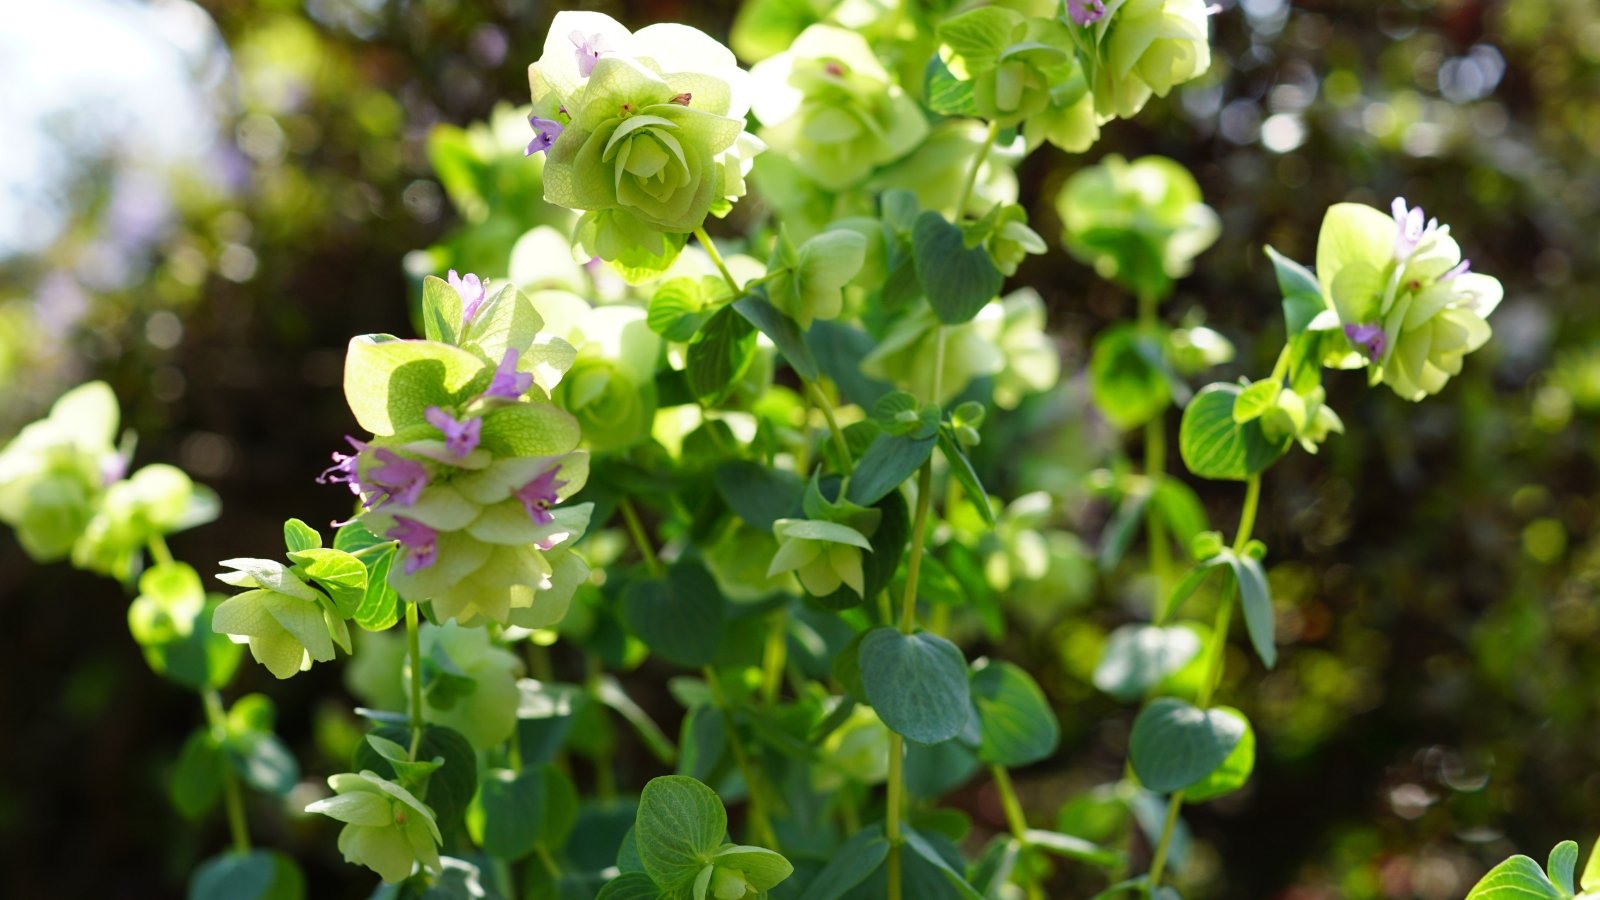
(197, 778)
(681, 824)
(257, 875)
(1016, 721)
(1518, 878)
(917, 683)
(1138, 657)
(1175, 745)
(1234, 771)
(680, 616)
(1125, 377)
(1216, 446)
(957, 280)
(504, 817)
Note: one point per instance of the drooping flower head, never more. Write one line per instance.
(460, 435)
(1409, 304)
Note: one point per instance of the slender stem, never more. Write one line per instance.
(773, 656)
(159, 551)
(1015, 820)
(893, 801)
(232, 798)
(640, 539)
(760, 826)
(1155, 465)
(839, 443)
(605, 780)
(414, 648)
(919, 532)
(716, 259)
(1216, 653)
(972, 174)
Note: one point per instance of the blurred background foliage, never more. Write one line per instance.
(204, 201)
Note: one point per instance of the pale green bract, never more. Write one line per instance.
(54, 471)
(1432, 312)
(808, 282)
(1148, 47)
(473, 684)
(653, 134)
(831, 107)
(387, 829)
(823, 555)
(610, 389)
(1140, 224)
(1024, 71)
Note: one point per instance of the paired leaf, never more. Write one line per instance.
(1175, 745)
(917, 683)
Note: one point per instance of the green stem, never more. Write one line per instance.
(232, 798)
(414, 648)
(159, 551)
(1216, 654)
(605, 779)
(908, 623)
(1155, 466)
(773, 657)
(640, 539)
(716, 259)
(892, 802)
(839, 443)
(760, 826)
(972, 174)
(1015, 820)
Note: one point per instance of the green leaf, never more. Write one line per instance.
(1016, 721)
(888, 462)
(1139, 657)
(888, 547)
(441, 310)
(630, 886)
(784, 332)
(196, 782)
(297, 535)
(1234, 771)
(718, 354)
(1074, 848)
(1119, 532)
(966, 476)
(849, 865)
(560, 808)
(680, 616)
(257, 875)
(1186, 588)
(1563, 862)
(505, 816)
(757, 494)
(681, 824)
(917, 683)
(946, 94)
(1256, 600)
(678, 306)
(1128, 387)
(390, 383)
(919, 845)
(264, 762)
(450, 788)
(343, 576)
(1215, 446)
(958, 281)
(1256, 400)
(980, 36)
(1591, 870)
(1518, 878)
(763, 869)
(1174, 744)
(1302, 296)
(380, 604)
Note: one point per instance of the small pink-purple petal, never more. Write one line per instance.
(1086, 12)
(540, 494)
(508, 383)
(588, 50)
(1370, 338)
(545, 132)
(1463, 268)
(420, 543)
(460, 437)
(343, 470)
(400, 480)
(472, 290)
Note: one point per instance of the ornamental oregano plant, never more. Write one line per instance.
(752, 464)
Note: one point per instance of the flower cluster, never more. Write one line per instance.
(1407, 302)
(643, 131)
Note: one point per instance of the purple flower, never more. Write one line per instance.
(1412, 228)
(508, 383)
(421, 543)
(588, 50)
(539, 495)
(460, 436)
(1086, 12)
(545, 132)
(472, 290)
(1463, 268)
(400, 480)
(343, 470)
(1370, 338)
